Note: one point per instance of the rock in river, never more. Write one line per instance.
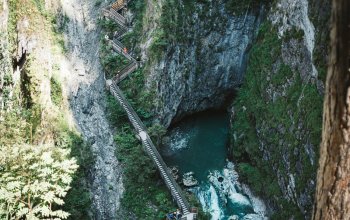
(188, 179)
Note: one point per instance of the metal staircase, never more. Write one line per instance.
(178, 195)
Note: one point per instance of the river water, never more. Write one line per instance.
(199, 144)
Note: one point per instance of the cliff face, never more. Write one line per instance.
(33, 94)
(278, 111)
(5, 62)
(205, 53)
(84, 80)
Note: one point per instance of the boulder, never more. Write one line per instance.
(188, 179)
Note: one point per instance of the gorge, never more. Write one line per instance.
(258, 65)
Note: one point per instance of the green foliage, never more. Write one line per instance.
(14, 128)
(112, 61)
(12, 23)
(77, 201)
(141, 98)
(98, 3)
(133, 38)
(285, 122)
(56, 91)
(109, 26)
(287, 211)
(156, 132)
(116, 115)
(251, 175)
(158, 45)
(142, 195)
(173, 21)
(34, 180)
(30, 122)
(284, 73)
(294, 33)
(320, 16)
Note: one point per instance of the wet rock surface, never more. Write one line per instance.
(189, 180)
(226, 191)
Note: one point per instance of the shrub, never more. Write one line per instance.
(34, 180)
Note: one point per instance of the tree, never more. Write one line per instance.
(333, 178)
(33, 181)
(157, 132)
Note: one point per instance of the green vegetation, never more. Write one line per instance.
(294, 33)
(77, 201)
(34, 180)
(29, 121)
(242, 6)
(159, 45)
(157, 132)
(143, 196)
(133, 38)
(112, 61)
(320, 16)
(56, 91)
(141, 98)
(283, 121)
(175, 20)
(175, 25)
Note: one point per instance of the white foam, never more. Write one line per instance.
(215, 211)
(178, 140)
(237, 198)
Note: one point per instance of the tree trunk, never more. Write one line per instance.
(332, 199)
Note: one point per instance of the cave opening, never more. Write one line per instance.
(18, 63)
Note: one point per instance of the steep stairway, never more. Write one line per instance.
(178, 195)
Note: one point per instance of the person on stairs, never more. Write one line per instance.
(178, 214)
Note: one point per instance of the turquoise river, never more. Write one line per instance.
(199, 144)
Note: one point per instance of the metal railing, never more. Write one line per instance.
(151, 149)
(147, 143)
(123, 73)
(120, 20)
(119, 47)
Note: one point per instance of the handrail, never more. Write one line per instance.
(135, 120)
(147, 143)
(184, 205)
(116, 17)
(119, 4)
(119, 47)
(151, 149)
(123, 73)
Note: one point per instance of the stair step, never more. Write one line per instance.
(171, 184)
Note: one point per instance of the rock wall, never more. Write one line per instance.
(198, 60)
(204, 58)
(85, 83)
(5, 61)
(278, 111)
